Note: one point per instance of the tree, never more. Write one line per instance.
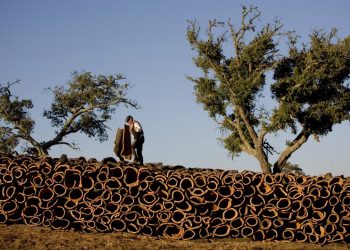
(309, 84)
(83, 105)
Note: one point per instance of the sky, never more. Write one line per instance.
(43, 41)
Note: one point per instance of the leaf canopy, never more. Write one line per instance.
(87, 102)
(310, 84)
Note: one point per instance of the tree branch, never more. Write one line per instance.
(71, 145)
(301, 138)
(67, 125)
(247, 147)
(25, 136)
(249, 126)
(238, 35)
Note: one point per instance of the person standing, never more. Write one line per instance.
(139, 139)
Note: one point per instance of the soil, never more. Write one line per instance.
(31, 237)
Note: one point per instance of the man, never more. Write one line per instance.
(139, 139)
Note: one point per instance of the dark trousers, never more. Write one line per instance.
(138, 153)
(137, 148)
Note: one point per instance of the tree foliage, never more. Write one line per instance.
(309, 84)
(83, 105)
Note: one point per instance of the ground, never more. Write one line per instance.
(31, 237)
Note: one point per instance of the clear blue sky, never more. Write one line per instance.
(42, 42)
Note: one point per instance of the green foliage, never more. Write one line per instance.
(15, 111)
(232, 141)
(87, 102)
(8, 141)
(16, 122)
(311, 84)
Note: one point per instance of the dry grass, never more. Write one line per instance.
(30, 237)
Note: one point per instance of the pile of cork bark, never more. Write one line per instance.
(172, 202)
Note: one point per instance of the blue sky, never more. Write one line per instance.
(42, 42)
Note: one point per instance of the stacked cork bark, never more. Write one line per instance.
(172, 202)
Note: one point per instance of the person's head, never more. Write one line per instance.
(129, 119)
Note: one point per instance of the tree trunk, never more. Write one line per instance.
(263, 161)
(38, 148)
(41, 151)
(284, 156)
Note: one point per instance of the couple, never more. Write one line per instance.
(124, 148)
